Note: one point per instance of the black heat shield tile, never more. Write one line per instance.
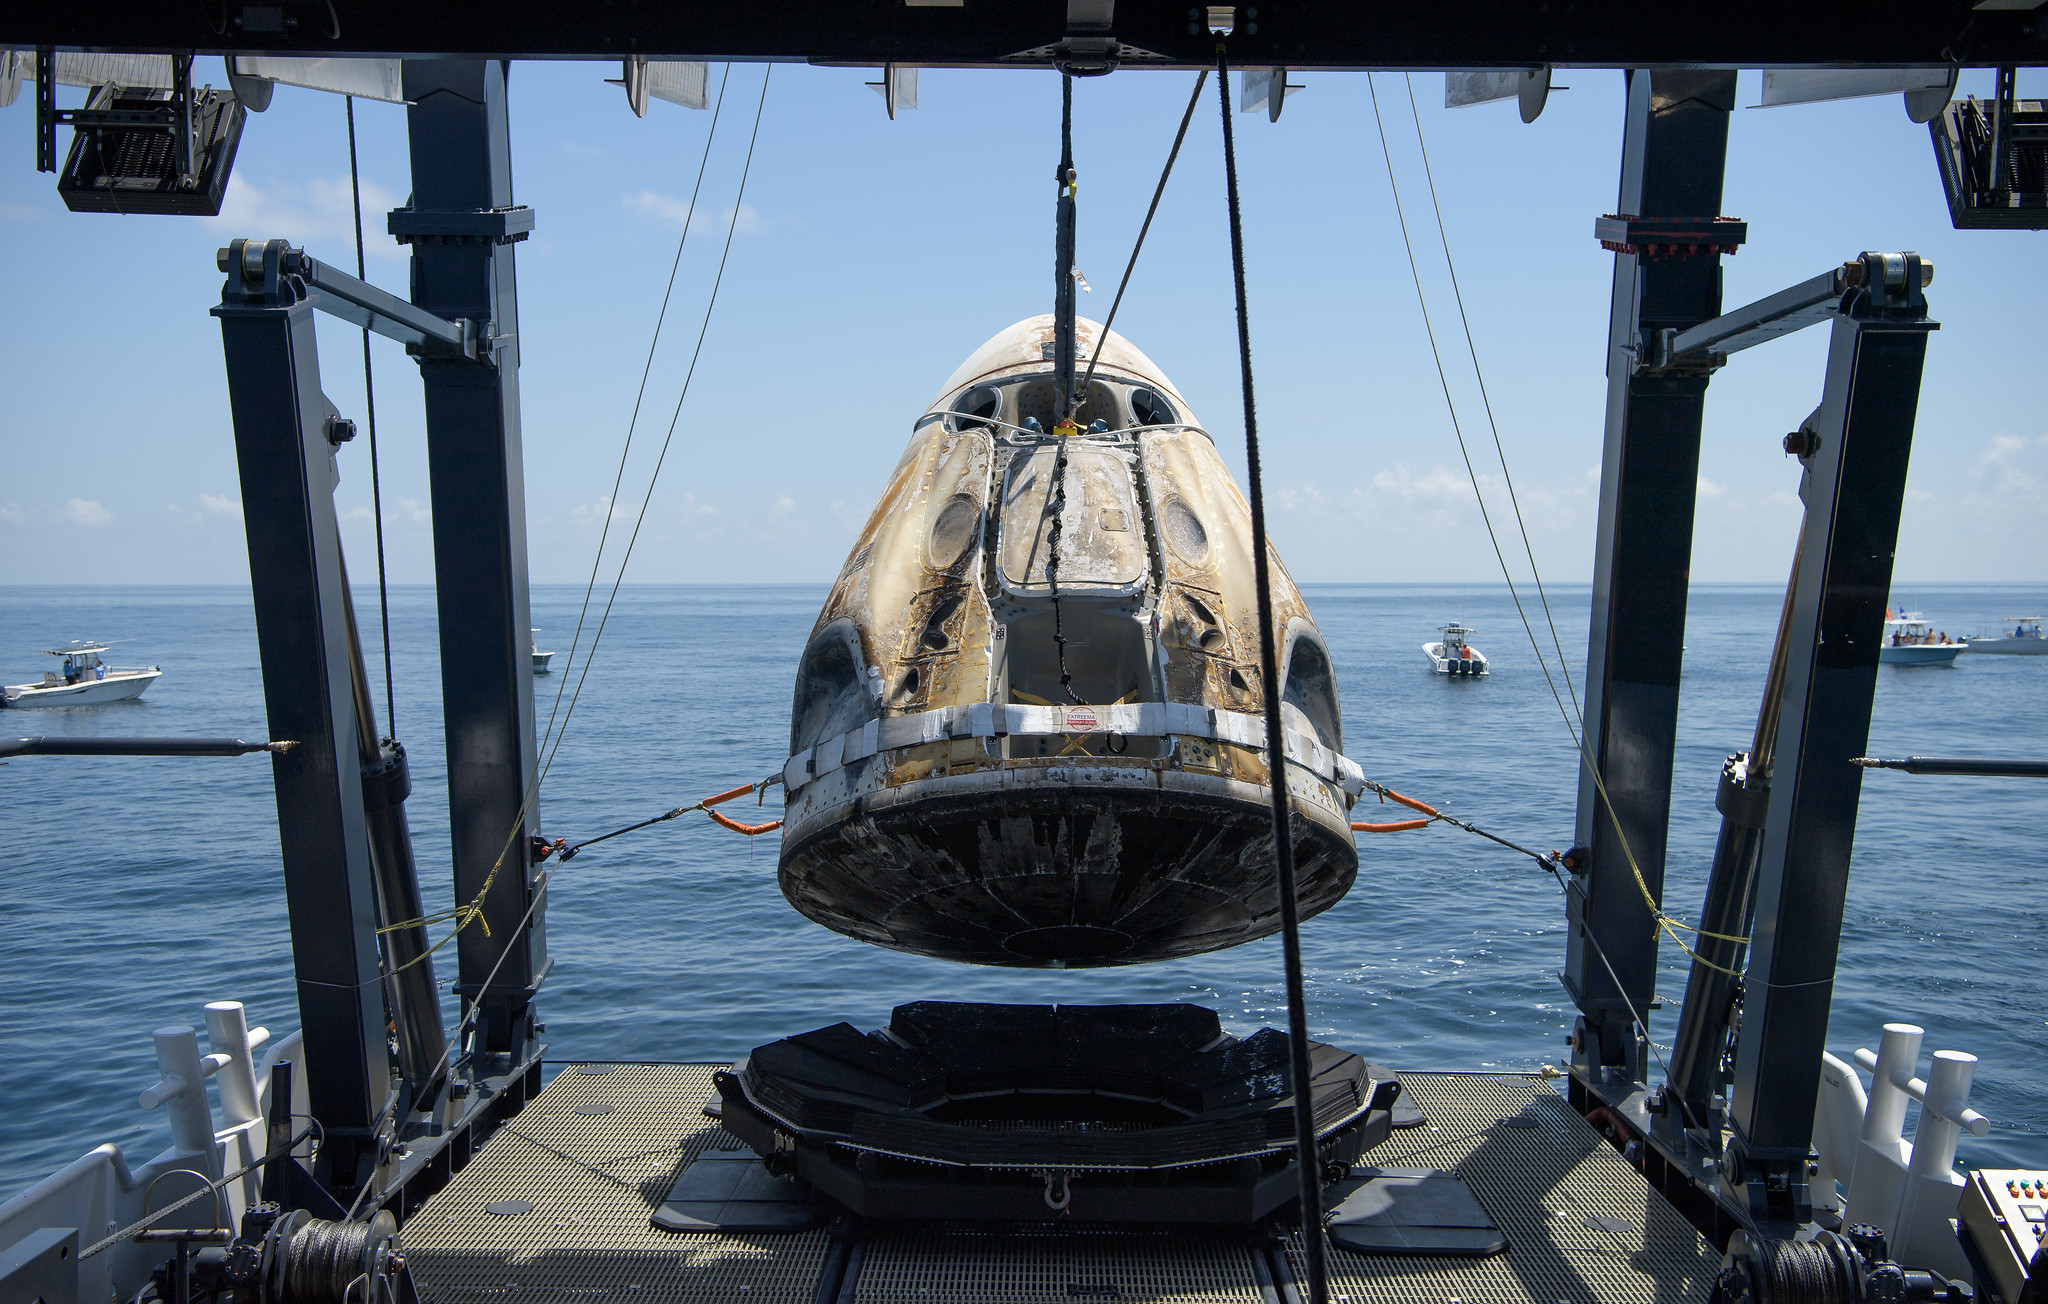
(1412, 1212)
(730, 1191)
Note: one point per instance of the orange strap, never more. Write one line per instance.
(1390, 828)
(1409, 802)
(750, 830)
(740, 791)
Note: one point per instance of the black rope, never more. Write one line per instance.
(370, 407)
(1201, 79)
(540, 887)
(1308, 1158)
(1063, 371)
(632, 423)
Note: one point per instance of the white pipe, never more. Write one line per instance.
(227, 1028)
(1884, 1120)
(1942, 1100)
(183, 1089)
(1918, 1089)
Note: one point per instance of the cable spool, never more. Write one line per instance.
(325, 1262)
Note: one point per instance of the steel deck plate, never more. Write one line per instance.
(1584, 1227)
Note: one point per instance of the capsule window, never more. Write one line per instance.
(1185, 533)
(954, 527)
(976, 409)
(832, 696)
(1151, 408)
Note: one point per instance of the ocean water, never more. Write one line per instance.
(138, 889)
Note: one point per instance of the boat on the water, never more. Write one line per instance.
(540, 658)
(1453, 655)
(1911, 641)
(2026, 638)
(85, 680)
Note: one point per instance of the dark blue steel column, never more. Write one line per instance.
(461, 225)
(1673, 156)
(1855, 487)
(302, 631)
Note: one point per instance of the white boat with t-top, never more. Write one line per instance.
(85, 680)
(1452, 654)
(540, 658)
(2026, 638)
(1911, 641)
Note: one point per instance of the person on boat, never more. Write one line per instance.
(70, 671)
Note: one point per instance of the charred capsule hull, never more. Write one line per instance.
(1028, 725)
(1069, 867)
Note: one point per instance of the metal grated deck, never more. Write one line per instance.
(1582, 1226)
(1585, 1228)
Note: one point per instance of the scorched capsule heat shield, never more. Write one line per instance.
(949, 796)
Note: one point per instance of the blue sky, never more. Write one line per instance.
(872, 256)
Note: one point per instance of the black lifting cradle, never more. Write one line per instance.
(1088, 1113)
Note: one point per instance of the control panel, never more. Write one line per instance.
(2005, 1210)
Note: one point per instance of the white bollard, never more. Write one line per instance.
(227, 1028)
(1923, 1237)
(183, 1089)
(1877, 1182)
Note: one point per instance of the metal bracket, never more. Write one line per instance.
(1887, 284)
(1670, 237)
(272, 272)
(494, 226)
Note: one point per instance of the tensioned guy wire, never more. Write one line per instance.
(540, 888)
(1664, 922)
(1074, 403)
(355, 187)
(1307, 1155)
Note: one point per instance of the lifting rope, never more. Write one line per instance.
(1308, 1156)
(1664, 923)
(355, 187)
(1074, 403)
(472, 911)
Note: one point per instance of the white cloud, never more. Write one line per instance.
(415, 513)
(317, 212)
(1708, 489)
(599, 510)
(13, 514)
(22, 212)
(221, 505)
(672, 211)
(84, 511)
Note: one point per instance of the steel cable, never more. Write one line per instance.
(1308, 1158)
(540, 888)
(355, 187)
(1664, 923)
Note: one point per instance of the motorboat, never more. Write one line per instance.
(1028, 724)
(1911, 641)
(1453, 655)
(540, 658)
(85, 680)
(2026, 638)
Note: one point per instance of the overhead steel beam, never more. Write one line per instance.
(1854, 490)
(461, 226)
(282, 444)
(1509, 34)
(1673, 156)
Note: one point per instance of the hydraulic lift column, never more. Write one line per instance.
(461, 226)
(1667, 275)
(1856, 457)
(284, 433)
